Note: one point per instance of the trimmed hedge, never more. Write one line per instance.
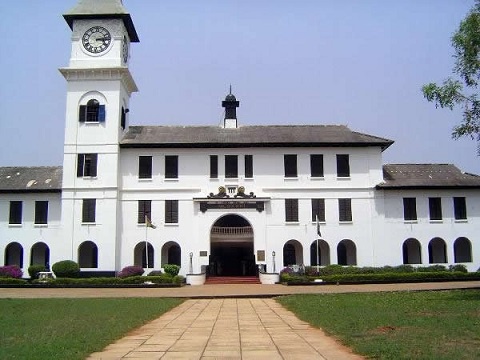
(66, 268)
(12, 281)
(171, 269)
(162, 279)
(33, 270)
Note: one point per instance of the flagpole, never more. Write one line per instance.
(146, 241)
(318, 255)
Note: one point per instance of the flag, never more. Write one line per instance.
(318, 227)
(149, 223)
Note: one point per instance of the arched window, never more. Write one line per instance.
(323, 253)
(14, 254)
(437, 251)
(88, 255)
(92, 112)
(171, 253)
(40, 255)
(346, 252)
(292, 253)
(462, 250)
(412, 252)
(140, 256)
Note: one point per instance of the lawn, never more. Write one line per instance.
(402, 325)
(70, 328)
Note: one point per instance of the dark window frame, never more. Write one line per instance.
(145, 167)
(89, 210)
(316, 165)
(290, 165)
(92, 112)
(435, 208)
(213, 166)
(171, 166)
(291, 210)
(248, 166)
(231, 166)
(87, 165)
(460, 208)
(171, 211)
(345, 210)
(410, 209)
(343, 165)
(318, 208)
(144, 210)
(15, 213)
(41, 212)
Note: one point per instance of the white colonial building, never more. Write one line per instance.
(226, 199)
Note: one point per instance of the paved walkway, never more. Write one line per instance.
(226, 329)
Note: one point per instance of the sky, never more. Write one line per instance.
(348, 62)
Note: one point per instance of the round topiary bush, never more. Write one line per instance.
(33, 270)
(66, 269)
(128, 271)
(11, 271)
(171, 269)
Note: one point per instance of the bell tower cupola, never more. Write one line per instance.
(230, 104)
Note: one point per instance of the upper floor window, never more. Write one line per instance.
(343, 165)
(460, 208)
(171, 211)
(41, 212)
(89, 210)
(249, 166)
(87, 165)
(171, 166)
(144, 211)
(316, 165)
(435, 207)
(92, 112)
(409, 209)
(291, 210)
(144, 167)
(213, 166)
(15, 212)
(345, 209)
(123, 119)
(318, 209)
(290, 165)
(231, 166)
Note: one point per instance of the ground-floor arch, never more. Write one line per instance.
(88, 255)
(231, 247)
(14, 254)
(323, 253)
(346, 252)
(140, 255)
(437, 251)
(412, 251)
(292, 253)
(171, 254)
(462, 250)
(40, 254)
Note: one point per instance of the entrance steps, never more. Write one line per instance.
(214, 280)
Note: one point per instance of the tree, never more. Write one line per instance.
(464, 92)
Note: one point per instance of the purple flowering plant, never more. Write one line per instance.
(130, 271)
(11, 271)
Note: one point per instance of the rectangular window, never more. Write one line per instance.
(213, 166)
(316, 165)
(171, 166)
(171, 211)
(343, 165)
(123, 119)
(291, 210)
(290, 165)
(41, 212)
(92, 112)
(144, 210)
(345, 209)
(88, 210)
(144, 167)
(409, 209)
(87, 165)
(435, 206)
(231, 166)
(15, 212)
(460, 208)
(318, 209)
(249, 166)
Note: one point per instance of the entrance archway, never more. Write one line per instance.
(231, 247)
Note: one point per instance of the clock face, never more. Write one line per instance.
(125, 50)
(96, 39)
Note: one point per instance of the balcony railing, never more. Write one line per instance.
(244, 231)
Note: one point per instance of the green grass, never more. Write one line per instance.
(403, 325)
(70, 328)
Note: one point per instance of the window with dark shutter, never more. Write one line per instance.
(82, 113)
(101, 113)
(318, 209)
(88, 210)
(290, 165)
(409, 209)
(291, 210)
(15, 212)
(345, 209)
(144, 167)
(123, 119)
(144, 210)
(231, 166)
(213, 166)
(249, 166)
(316, 165)
(171, 166)
(435, 207)
(460, 208)
(171, 211)
(41, 212)
(343, 165)
(87, 165)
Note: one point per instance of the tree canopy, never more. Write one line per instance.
(462, 91)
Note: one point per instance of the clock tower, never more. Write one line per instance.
(99, 86)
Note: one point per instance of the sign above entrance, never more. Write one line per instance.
(240, 200)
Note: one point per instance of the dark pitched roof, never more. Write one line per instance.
(424, 176)
(248, 136)
(31, 179)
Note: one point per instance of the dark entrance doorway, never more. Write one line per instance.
(231, 252)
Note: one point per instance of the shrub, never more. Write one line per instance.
(155, 273)
(11, 271)
(178, 279)
(12, 281)
(458, 267)
(66, 269)
(133, 270)
(33, 270)
(171, 269)
(432, 268)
